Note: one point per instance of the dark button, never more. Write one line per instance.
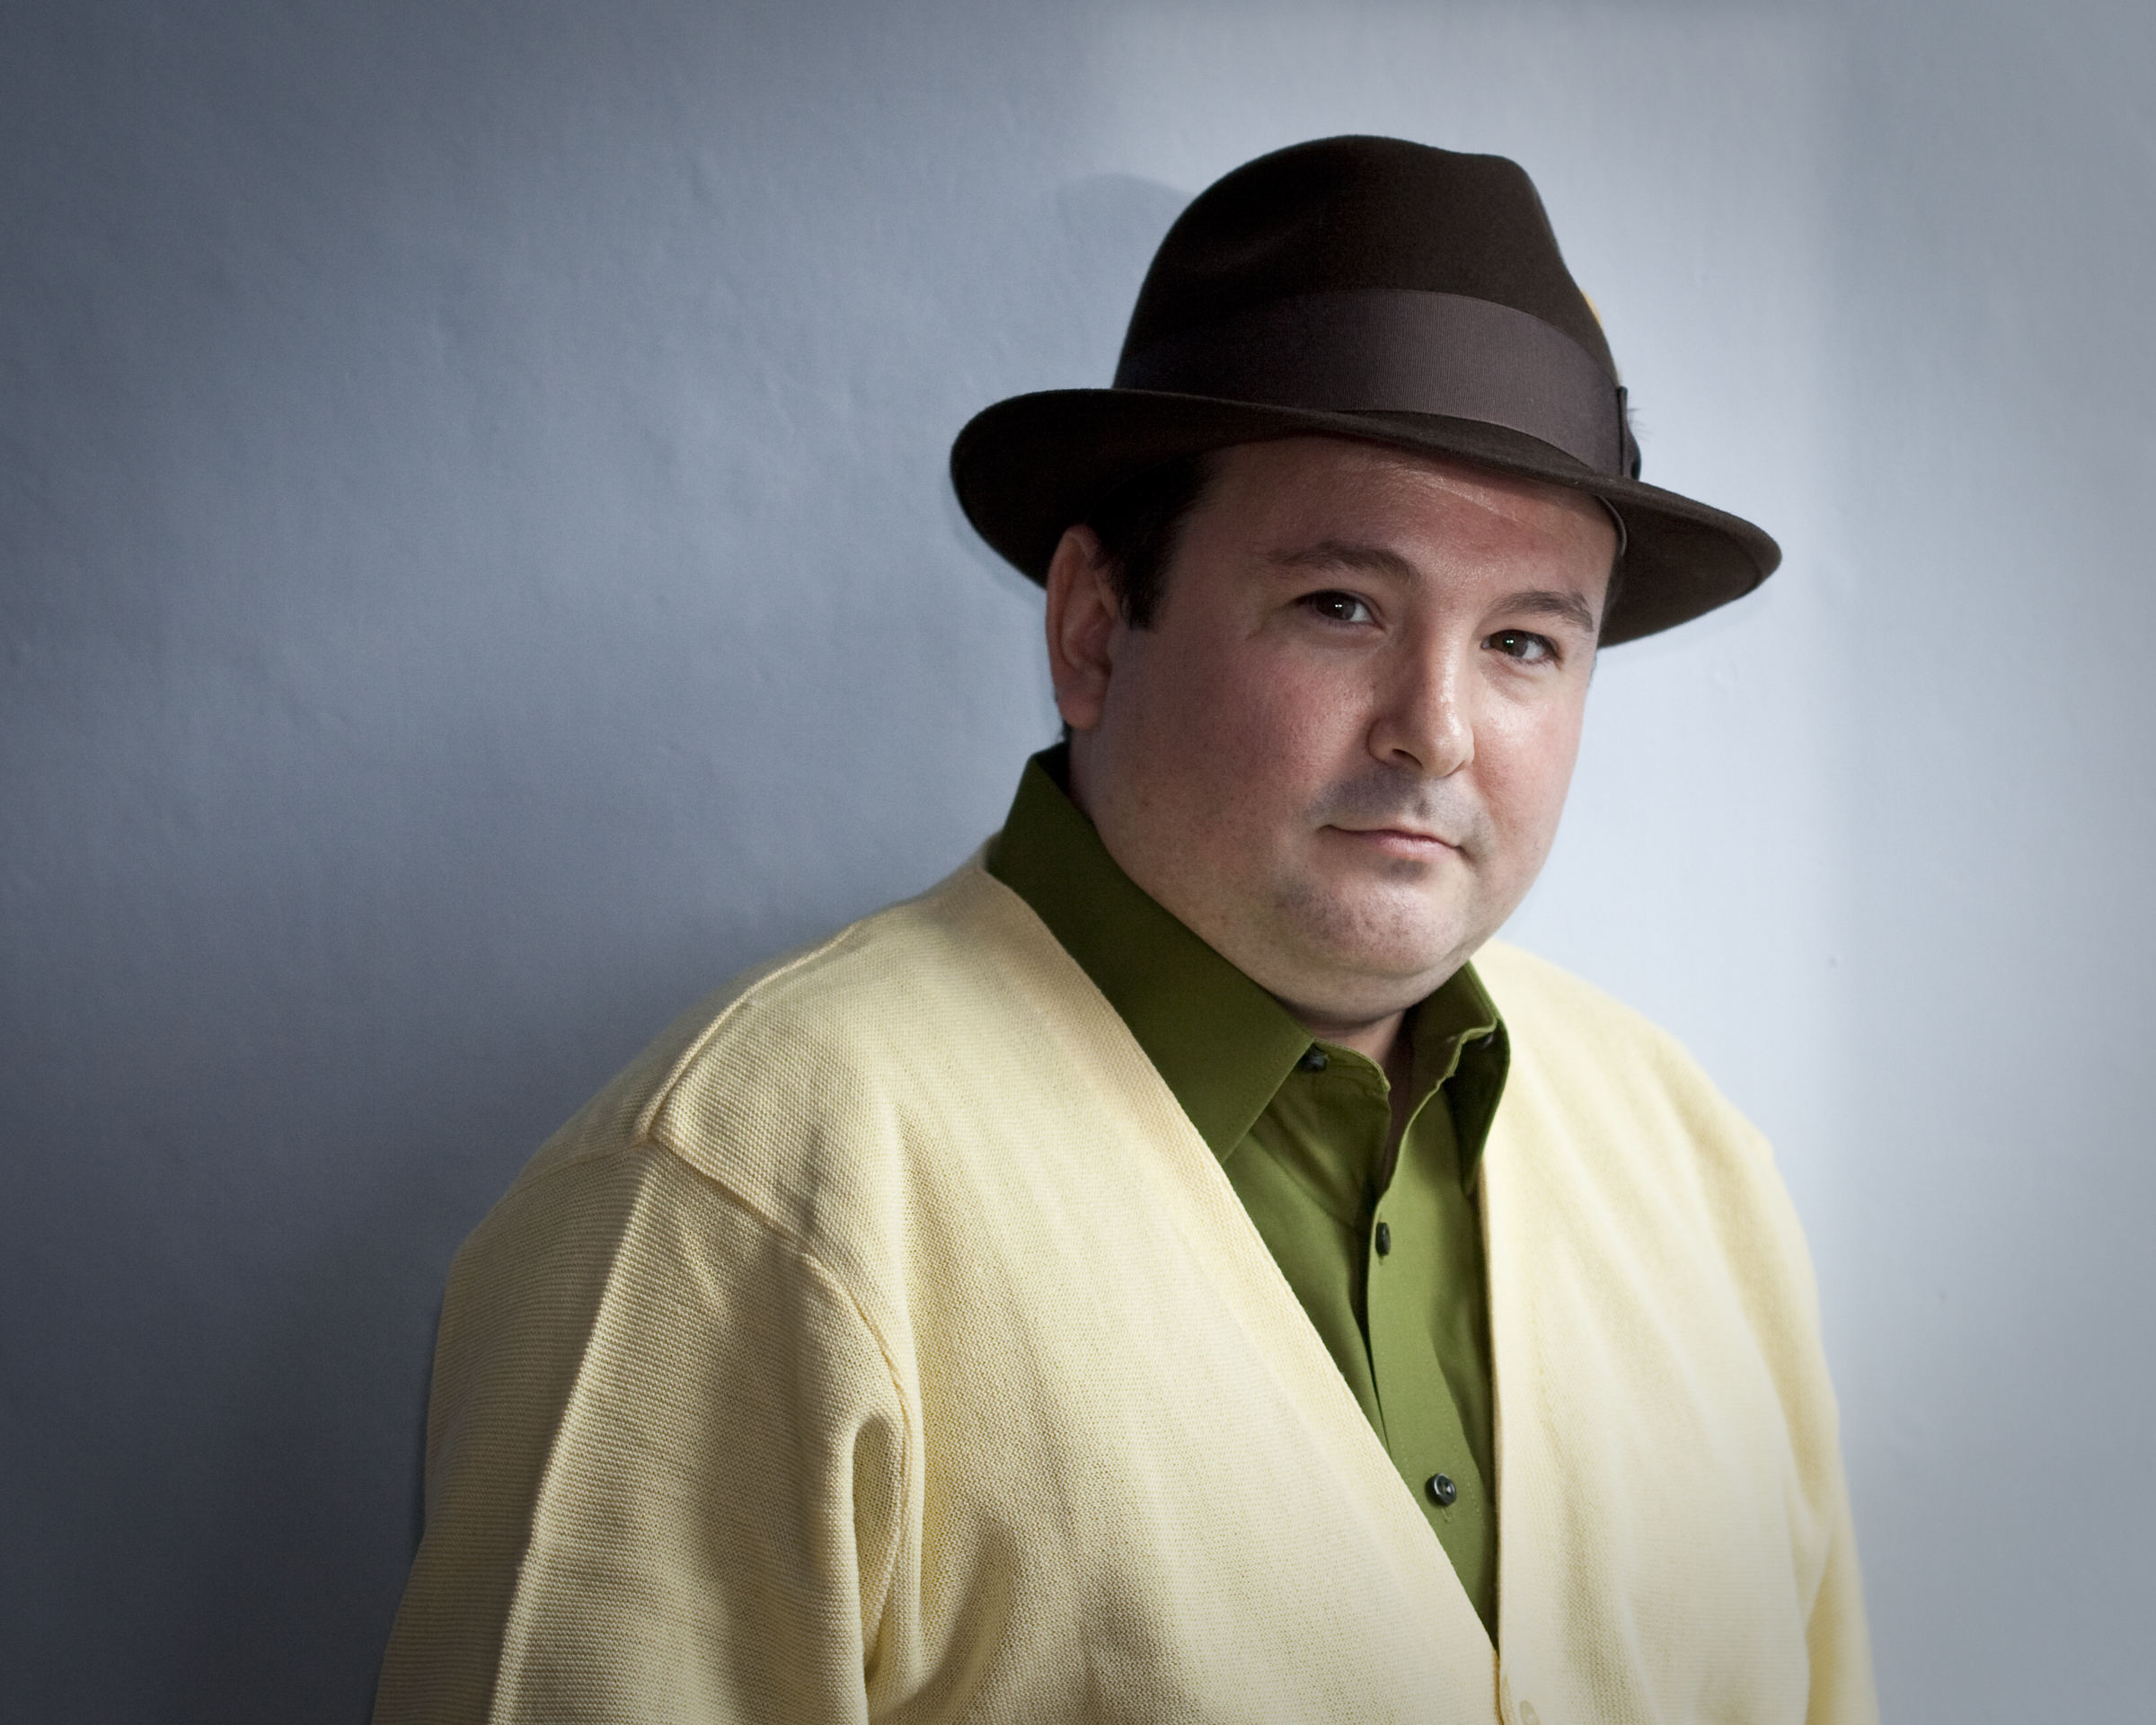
(1384, 1238)
(1442, 1491)
(1315, 1061)
(1483, 1042)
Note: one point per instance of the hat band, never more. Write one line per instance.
(1403, 350)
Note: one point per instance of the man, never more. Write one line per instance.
(1155, 1275)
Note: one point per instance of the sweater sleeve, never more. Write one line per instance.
(665, 1467)
(1838, 1638)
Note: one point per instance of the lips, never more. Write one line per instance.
(1407, 837)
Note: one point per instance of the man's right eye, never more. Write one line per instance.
(1338, 608)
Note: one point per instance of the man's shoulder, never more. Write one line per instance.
(1552, 1016)
(1618, 1144)
(1588, 1070)
(835, 1091)
(888, 1000)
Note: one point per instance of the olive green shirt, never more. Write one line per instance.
(1386, 1259)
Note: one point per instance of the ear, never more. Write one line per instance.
(1085, 625)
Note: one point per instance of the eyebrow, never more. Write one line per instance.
(1548, 602)
(1335, 553)
(1339, 554)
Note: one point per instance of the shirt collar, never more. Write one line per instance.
(1222, 1044)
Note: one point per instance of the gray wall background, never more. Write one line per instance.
(476, 568)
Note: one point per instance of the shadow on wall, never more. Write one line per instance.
(1112, 224)
(1104, 229)
(321, 1476)
(301, 1481)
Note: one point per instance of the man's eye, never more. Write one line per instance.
(1517, 643)
(1338, 608)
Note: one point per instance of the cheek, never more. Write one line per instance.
(1525, 758)
(1268, 728)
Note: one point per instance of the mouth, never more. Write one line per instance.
(1398, 841)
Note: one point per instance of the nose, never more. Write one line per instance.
(1424, 721)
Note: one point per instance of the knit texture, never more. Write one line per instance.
(886, 1343)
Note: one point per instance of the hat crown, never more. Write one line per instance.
(1348, 213)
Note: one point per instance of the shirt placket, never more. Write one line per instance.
(1413, 1250)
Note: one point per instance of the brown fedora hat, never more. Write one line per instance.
(1360, 287)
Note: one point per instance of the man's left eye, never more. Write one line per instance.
(1338, 608)
(1517, 643)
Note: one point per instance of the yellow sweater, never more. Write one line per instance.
(886, 1343)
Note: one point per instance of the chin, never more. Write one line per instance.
(1377, 945)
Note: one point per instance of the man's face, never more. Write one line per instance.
(1340, 751)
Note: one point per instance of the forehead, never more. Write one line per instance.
(1278, 498)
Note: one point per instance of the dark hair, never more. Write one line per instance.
(1139, 525)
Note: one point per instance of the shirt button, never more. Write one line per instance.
(1483, 1042)
(1384, 1238)
(1442, 1491)
(1315, 1061)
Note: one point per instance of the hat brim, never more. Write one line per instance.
(1028, 468)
